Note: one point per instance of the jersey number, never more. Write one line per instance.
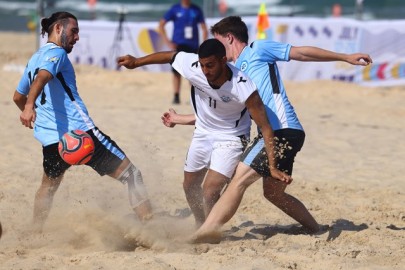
(212, 102)
(31, 78)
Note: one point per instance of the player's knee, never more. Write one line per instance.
(212, 190)
(190, 185)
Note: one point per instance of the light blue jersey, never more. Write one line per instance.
(258, 61)
(61, 109)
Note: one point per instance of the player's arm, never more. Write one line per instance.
(204, 30)
(163, 34)
(258, 113)
(171, 118)
(309, 53)
(19, 100)
(132, 62)
(28, 114)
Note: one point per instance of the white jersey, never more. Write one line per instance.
(218, 111)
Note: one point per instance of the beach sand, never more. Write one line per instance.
(350, 174)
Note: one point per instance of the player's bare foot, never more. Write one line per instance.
(211, 237)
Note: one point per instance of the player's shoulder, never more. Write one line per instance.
(264, 42)
(196, 7)
(54, 50)
(263, 46)
(238, 74)
(190, 59)
(49, 53)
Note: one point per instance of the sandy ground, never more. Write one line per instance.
(350, 174)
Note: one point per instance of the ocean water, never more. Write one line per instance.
(15, 15)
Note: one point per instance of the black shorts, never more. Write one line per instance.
(288, 143)
(184, 48)
(106, 158)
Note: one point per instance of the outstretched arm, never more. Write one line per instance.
(308, 53)
(171, 118)
(132, 62)
(258, 113)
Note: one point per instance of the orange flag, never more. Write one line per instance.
(262, 22)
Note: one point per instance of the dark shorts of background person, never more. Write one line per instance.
(288, 143)
(103, 160)
(184, 48)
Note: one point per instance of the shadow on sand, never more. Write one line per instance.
(249, 230)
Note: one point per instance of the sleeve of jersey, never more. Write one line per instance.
(168, 16)
(51, 62)
(200, 18)
(271, 51)
(23, 86)
(248, 89)
(184, 62)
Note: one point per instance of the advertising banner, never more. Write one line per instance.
(101, 42)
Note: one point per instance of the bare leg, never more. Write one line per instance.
(194, 194)
(176, 83)
(176, 87)
(43, 200)
(274, 191)
(227, 204)
(213, 184)
(142, 210)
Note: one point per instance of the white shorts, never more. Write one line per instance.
(220, 153)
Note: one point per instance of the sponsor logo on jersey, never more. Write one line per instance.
(241, 80)
(244, 65)
(53, 59)
(225, 99)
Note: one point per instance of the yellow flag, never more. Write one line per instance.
(262, 22)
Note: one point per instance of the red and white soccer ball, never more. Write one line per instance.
(76, 147)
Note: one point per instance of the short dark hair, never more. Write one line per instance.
(211, 47)
(233, 25)
(48, 23)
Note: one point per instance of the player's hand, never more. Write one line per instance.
(27, 117)
(168, 118)
(127, 61)
(360, 59)
(279, 175)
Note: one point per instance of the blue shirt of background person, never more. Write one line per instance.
(185, 24)
(186, 18)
